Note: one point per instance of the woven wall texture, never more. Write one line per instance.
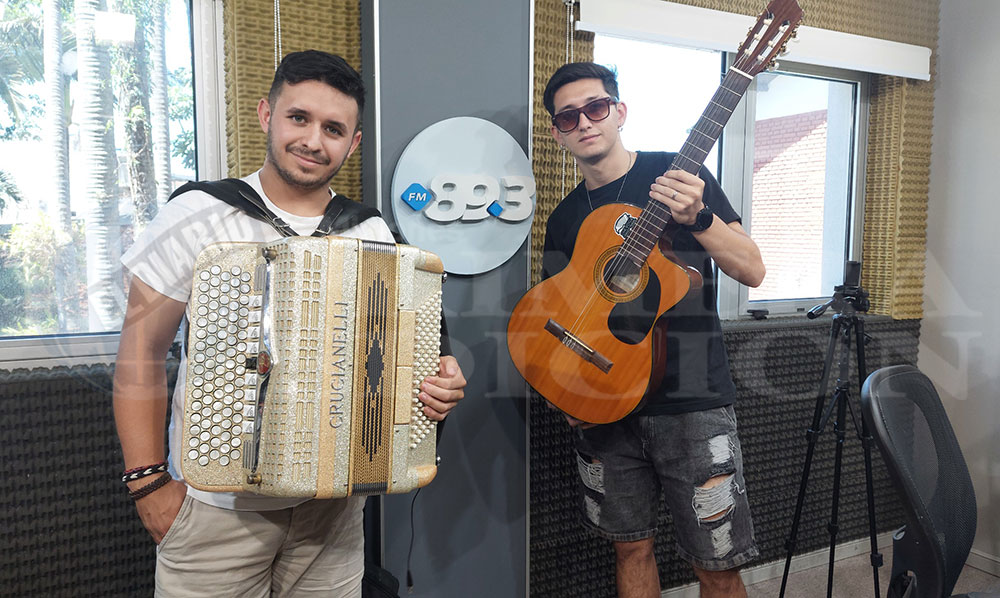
(898, 142)
(328, 25)
(67, 525)
(907, 21)
(548, 161)
(777, 370)
(899, 157)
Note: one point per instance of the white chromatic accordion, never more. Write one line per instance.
(304, 359)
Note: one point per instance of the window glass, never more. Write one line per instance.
(803, 133)
(666, 88)
(96, 130)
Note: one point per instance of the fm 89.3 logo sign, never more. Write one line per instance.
(472, 197)
(463, 189)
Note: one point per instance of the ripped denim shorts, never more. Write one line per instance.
(694, 459)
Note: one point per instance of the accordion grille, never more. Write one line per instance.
(372, 419)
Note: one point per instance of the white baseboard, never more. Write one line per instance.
(775, 569)
(984, 562)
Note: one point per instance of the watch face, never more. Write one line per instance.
(704, 218)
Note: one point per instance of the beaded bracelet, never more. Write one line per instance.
(150, 487)
(136, 473)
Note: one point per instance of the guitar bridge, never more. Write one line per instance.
(579, 347)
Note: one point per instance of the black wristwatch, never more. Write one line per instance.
(702, 220)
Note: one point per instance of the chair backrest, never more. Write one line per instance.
(910, 427)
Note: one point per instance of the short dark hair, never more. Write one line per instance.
(313, 65)
(575, 71)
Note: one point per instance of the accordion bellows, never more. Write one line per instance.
(304, 360)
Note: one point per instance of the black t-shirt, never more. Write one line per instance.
(696, 375)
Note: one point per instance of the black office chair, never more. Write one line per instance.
(911, 429)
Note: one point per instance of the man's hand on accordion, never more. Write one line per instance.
(441, 393)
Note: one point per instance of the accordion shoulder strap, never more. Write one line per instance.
(341, 213)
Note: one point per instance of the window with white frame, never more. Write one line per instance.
(792, 160)
(803, 171)
(97, 127)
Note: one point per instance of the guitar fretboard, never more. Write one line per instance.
(655, 217)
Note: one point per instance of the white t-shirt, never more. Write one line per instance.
(163, 257)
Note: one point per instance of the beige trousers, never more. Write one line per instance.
(313, 549)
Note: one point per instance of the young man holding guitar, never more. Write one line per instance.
(682, 440)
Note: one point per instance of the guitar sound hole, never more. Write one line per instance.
(621, 277)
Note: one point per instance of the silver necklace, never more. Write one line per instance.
(624, 179)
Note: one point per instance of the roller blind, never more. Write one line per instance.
(708, 29)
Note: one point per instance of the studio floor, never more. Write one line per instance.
(852, 578)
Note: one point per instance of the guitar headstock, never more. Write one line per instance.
(768, 36)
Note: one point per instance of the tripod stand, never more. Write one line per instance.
(848, 300)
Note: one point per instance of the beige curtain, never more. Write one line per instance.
(328, 25)
(548, 161)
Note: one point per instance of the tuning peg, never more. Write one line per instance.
(772, 66)
(783, 50)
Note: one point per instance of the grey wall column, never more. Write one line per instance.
(435, 60)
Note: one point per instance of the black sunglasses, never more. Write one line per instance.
(598, 110)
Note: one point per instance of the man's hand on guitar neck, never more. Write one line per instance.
(680, 191)
(729, 245)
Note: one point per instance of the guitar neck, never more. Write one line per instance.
(708, 129)
(690, 158)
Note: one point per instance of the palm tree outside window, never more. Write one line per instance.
(96, 130)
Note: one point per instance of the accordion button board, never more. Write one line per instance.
(304, 360)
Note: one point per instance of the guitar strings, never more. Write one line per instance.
(624, 254)
(593, 296)
(635, 239)
(616, 264)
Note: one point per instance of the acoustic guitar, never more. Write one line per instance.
(586, 339)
